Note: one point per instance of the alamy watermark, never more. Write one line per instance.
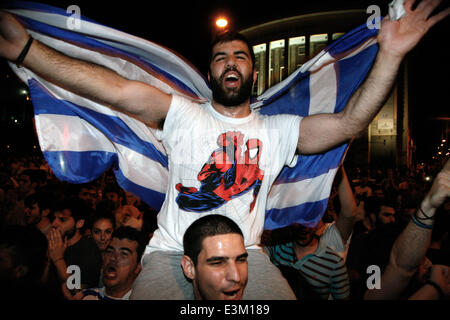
(74, 21)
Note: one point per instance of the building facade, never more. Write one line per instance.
(283, 45)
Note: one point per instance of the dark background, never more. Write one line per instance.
(187, 28)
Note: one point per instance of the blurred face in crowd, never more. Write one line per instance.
(304, 235)
(114, 197)
(386, 215)
(131, 198)
(120, 266)
(88, 195)
(221, 271)
(32, 214)
(65, 223)
(102, 231)
(25, 185)
(129, 215)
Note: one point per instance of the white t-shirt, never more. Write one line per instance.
(217, 165)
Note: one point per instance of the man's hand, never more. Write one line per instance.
(399, 37)
(56, 245)
(440, 190)
(13, 36)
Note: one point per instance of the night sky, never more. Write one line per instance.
(186, 27)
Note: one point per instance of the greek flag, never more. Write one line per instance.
(81, 139)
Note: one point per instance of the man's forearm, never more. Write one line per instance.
(83, 78)
(411, 246)
(370, 97)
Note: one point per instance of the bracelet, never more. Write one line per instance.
(436, 286)
(426, 216)
(420, 224)
(24, 52)
(54, 261)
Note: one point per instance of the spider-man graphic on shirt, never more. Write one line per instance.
(229, 173)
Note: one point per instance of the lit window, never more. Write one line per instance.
(297, 53)
(276, 62)
(260, 67)
(317, 42)
(337, 35)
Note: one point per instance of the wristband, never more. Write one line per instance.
(24, 52)
(420, 224)
(436, 286)
(54, 261)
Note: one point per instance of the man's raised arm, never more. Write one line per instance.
(319, 133)
(89, 80)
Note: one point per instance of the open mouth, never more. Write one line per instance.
(231, 79)
(232, 294)
(110, 272)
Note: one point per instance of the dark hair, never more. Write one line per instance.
(43, 199)
(207, 226)
(33, 174)
(130, 233)
(77, 207)
(228, 36)
(100, 215)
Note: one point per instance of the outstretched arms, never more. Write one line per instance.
(92, 81)
(321, 132)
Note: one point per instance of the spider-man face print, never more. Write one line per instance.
(231, 170)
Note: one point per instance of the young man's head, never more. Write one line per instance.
(37, 206)
(215, 258)
(69, 216)
(121, 261)
(231, 69)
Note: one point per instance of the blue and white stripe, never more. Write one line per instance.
(81, 139)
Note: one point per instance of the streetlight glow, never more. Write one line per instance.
(221, 22)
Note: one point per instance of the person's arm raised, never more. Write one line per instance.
(89, 80)
(319, 133)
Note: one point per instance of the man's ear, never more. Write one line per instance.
(188, 267)
(138, 268)
(79, 224)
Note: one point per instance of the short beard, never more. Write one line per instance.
(234, 99)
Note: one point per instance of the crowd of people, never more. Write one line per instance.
(48, 225)
(383, 236)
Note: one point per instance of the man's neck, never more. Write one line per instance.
(239, 111)
(302, 251)
(76, 237)
(117, 292)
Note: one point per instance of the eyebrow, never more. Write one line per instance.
(221, 258)
(222, 53)
(121, 248)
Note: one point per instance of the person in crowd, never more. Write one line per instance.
(410, 247)
(231, 74)
(101, 228)
(38, 207)
(67, 246)
(121, 266)
(215, 259)
(373, 247)
(320, 259)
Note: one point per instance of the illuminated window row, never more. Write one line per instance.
(300, 49)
